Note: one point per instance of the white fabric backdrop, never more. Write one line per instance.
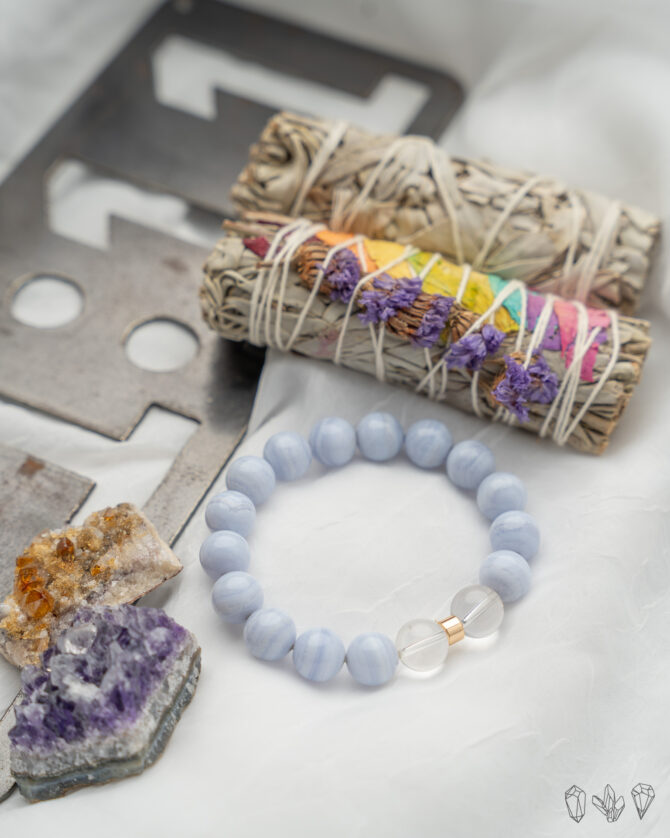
(576, 686)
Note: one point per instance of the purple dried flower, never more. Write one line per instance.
(472, 350)
(522, 385)
(343, 273)
(544, 382)
(387, 297)
(433, 321)
(492, 338)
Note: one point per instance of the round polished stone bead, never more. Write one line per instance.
(427, 443)
(479, 608)
(422, 645)
(318, 654)
(372, 659)
(500, 492)
(223, 551)
(515, 530)
(288, 454)
(379, 436)
(231, 511)
(253, 476)
(333, 441)
(507, 573)
(236, 595)
(269, 634)
(468, 463)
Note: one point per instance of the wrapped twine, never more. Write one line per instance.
(278, 282)
(535, 229)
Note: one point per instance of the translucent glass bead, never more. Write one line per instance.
(333, 441)
(422, 645)
(380, 436)
(427, 443)
(253, 477)
(468, 463)
(500, 492)
(479, 608)
(288, 454)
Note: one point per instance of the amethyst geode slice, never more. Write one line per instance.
(104, 700)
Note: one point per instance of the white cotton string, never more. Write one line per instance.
(255, 305)
(299, 238)
(409, 251)
(343, 220)
(378, 344)
(495, 229)
(600, 247)
(512, 286)
(423, 273)
(445, 183)
(318, 163)
(564, 401)
(614, 357)
(315, 288)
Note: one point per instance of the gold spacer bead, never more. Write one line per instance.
(454, 629)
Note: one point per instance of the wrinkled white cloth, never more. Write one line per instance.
(575, 688)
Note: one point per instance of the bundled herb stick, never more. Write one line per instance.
(487, 345)
(518, 226)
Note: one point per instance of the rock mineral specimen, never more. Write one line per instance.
(114, 558)
(103, 701)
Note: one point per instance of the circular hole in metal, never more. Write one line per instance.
(47, 302)
(162, 345)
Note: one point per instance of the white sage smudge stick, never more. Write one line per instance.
(270, 281)
(535, 229)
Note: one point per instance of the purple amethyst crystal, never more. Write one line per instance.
(472, 350)
(387, 297)
(343, 273)
(103, 701)
(433, 321)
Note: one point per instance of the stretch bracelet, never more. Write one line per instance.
(421, 644)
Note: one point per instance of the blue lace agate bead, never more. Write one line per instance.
(269, 634)
(372, 659)
(500, 492)
(236, 595)
(507, 573)
(288, 454)
(380, 436)
(253, 476)
(333, 441)
(318, 654)
(515, 530)
(231, 511)
(427, 443)
(468, 463)
(224, 551)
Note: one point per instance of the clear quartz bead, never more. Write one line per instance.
(422, 645)
(479, 608)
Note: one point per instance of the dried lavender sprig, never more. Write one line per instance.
(472, 350)
(387, 297)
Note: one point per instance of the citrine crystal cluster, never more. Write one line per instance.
(115, 557)
(103, 701)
